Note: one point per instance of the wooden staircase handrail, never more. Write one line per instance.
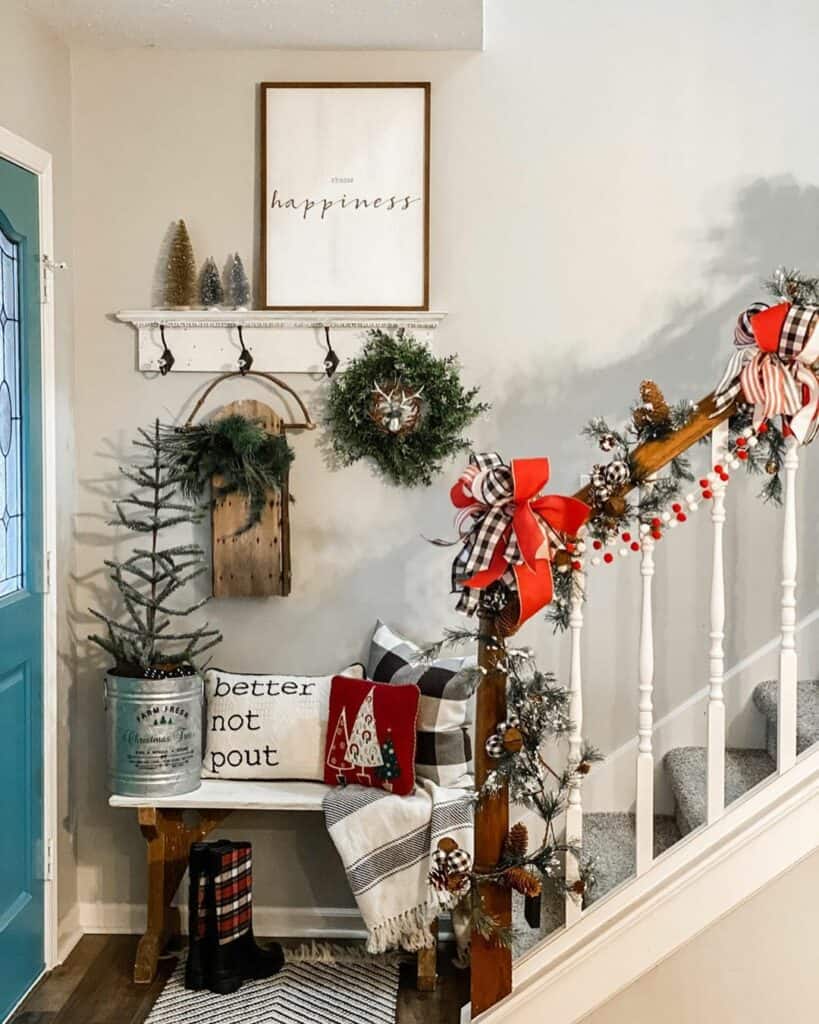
(647, 458)
(652, 456)
(491, 978)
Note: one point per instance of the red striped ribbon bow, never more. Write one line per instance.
(507, 528)
(772, 367)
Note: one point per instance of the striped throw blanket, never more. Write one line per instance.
(386, 843)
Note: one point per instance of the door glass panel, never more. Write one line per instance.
(11, 506)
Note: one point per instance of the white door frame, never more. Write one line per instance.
(18, 151)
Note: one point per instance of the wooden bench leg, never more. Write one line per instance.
(169, 841)
(427, 979)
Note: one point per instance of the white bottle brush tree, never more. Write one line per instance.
(211, 293)
(145, 645)
(239, 284)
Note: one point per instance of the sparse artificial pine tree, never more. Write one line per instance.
(151, 576)
(239, 285)
(211, 292)
(180, 277)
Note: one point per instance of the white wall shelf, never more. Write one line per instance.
(205, 341)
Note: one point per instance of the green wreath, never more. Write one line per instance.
(409, 443)
(249, 460)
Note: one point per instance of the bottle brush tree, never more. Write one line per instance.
(180, 275)
(150, 579)
(211, 292)
(239, 285)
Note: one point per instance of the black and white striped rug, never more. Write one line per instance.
(363, 992)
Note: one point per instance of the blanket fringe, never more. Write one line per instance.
(314, 952)
(410, 930)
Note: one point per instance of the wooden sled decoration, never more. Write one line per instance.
(256, 562)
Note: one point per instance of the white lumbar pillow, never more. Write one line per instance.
(266, 727)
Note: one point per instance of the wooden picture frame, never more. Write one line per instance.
(345, 196)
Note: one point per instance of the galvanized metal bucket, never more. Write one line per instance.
(154, 735)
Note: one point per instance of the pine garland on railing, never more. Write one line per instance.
(767, 456)
(791, 285)
(537, 715)
(652, 419)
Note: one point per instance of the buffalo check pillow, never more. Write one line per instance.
(444, 750)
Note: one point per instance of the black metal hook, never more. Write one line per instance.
(166, 360)
(331, 360)
(245, 358)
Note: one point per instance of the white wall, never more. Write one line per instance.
(609, 183)
(756, 964)
(35, 103)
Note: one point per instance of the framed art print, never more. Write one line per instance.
(345, 192)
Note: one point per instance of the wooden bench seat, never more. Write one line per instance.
(237, 795)
(169, 837)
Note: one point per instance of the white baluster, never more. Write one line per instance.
(716, 677)
(645, 755)
(574, 808)
(788, 668)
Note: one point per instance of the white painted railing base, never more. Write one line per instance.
(643, 921)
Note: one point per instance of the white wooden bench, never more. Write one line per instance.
(169, 838)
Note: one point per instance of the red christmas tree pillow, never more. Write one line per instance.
(371, 735)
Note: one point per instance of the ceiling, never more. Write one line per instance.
(268, 24)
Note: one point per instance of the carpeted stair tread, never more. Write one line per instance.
(609, 840)
(766, 698)
(686, 768)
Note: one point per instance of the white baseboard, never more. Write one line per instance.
(699, 880)
(69, 934)
(281, 922)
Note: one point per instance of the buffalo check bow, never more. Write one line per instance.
(776, 348)
(507, 530)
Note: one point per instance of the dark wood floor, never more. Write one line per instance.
(94, 986)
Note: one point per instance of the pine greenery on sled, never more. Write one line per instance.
(248, 460)
(401, 407)
(150, 578)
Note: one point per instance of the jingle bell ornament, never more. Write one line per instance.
(503, 727)
(607, 442)
(494, 746)
(617, 474)
(451, 868)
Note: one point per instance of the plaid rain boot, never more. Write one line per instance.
(234, 956)
(198, 906)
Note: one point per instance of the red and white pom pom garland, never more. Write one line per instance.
(628, 542)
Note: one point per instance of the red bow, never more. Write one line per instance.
(513, 529)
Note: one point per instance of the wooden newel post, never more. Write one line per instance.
(491, 978)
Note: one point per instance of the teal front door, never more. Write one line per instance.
(21, 590)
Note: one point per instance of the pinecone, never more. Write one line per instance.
(517, 841)
(654, 409)
(523, 881)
